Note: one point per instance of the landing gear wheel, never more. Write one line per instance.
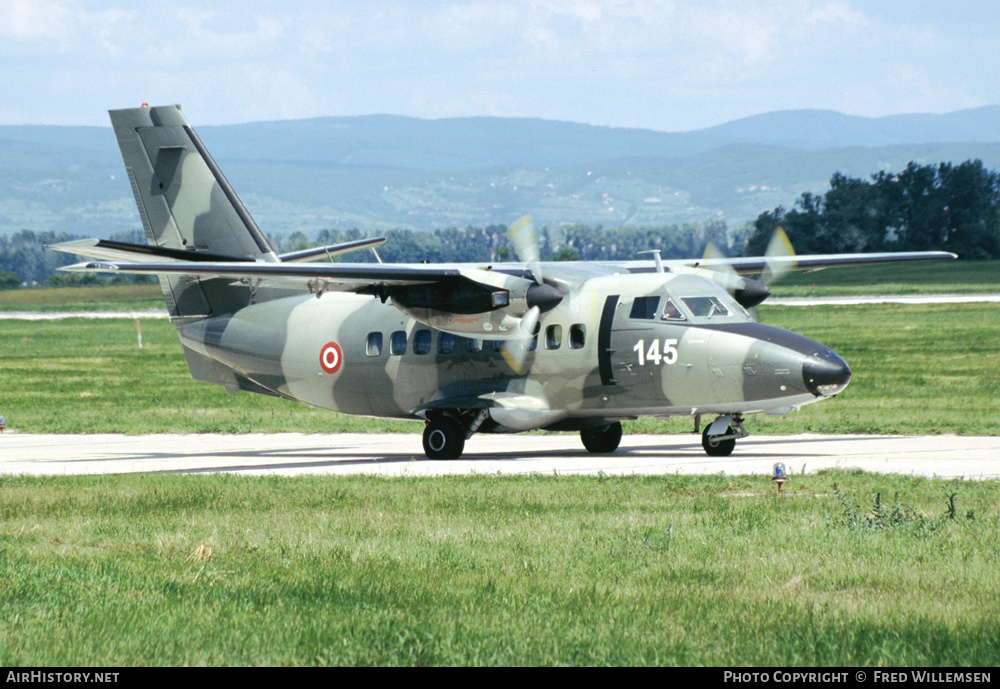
(602, 439)
(444, 439)
(717, 448)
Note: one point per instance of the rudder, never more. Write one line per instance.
(186, 203)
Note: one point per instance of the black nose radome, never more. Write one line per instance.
(825, 373)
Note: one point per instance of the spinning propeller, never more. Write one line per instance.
(524, 238)
(778, 248)
(778, 261)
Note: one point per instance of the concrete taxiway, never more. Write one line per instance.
(944, 456)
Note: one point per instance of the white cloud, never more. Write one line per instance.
(653, 63)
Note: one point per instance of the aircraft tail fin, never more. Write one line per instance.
(186, 204)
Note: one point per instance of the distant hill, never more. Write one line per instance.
(818, 129)
(381, 171)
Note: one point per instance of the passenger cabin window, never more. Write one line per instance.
(644, 307)
(498, 345)
(397, 343)
(553, 337)
(373, 346)
(446, 343)
(473, 345)
(577, 336)
(705, 307)
(671, 312)
(422, 342)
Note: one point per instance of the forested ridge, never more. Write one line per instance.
(949, 207)
(936, 207)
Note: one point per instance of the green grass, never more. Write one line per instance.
(89, 376)
(916, 369)
(110, 298)
(848, 569)
(934, 277)
(931, 277)
(487, 570)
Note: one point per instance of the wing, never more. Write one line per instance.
(295, 270)
(756, 265)
(492, 302)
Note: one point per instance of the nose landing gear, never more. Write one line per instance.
(719, 438)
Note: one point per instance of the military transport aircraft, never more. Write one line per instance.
(468, 348)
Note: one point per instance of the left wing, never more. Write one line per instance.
(491, 302)
(295, 269)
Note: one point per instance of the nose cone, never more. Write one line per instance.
(825, 373)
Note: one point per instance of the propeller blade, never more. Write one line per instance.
(515, 350)
(529, 323)
(747, 293)
(526, 242)
(778, 248)
(523, 237)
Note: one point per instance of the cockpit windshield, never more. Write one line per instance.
(676, 308)
(706, 307)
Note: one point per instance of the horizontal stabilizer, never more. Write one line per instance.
(319, 253)
(123, 252)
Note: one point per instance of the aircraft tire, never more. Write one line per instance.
(602, 440)
(444, 439)
(717, 448)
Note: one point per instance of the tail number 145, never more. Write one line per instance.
(654, 355)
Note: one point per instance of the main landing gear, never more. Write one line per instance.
(719, 438)
(602, 440)
(444, 439)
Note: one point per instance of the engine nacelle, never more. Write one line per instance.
(480, 303)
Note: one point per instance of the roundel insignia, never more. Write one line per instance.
(330, 357)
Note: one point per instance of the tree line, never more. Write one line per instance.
(944, 207)
(947, 207)
(558, 243)
(24, 258)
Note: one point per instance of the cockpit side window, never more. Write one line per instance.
(671, 312)
(644, 308)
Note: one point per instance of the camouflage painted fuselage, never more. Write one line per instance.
(599, 357)
(452, 344)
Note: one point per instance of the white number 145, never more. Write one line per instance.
(653, 354)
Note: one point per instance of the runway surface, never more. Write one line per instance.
(560, 454)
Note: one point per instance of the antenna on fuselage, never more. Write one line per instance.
(656, 258)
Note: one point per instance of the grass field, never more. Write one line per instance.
(847, 569)
(111, 298)
(916, 369)
(933, 277)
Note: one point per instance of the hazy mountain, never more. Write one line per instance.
(388, 171)
(817, 129)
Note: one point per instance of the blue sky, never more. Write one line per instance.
(666, 65)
